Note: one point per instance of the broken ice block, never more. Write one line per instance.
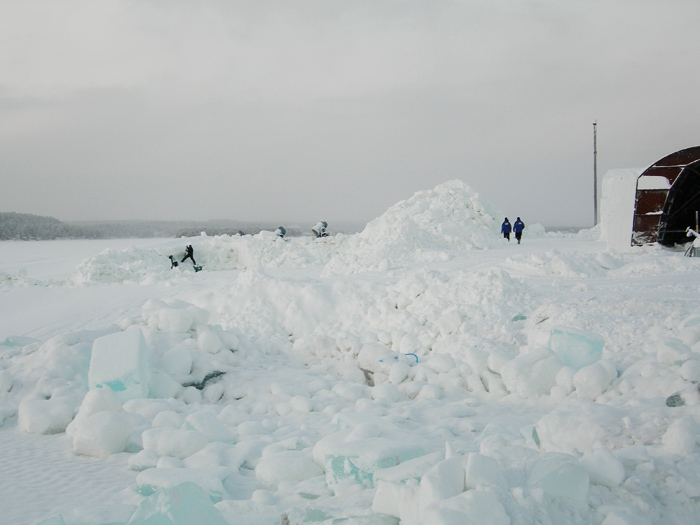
(121, 363)
(290, 465)
(184, 503)
(44, 416)
(560, 475)
(576, 348)
(483, 470)
(153, 480)
(444, 480)
(358, 460)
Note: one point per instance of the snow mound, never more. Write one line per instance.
(222, 252)
(423, 228)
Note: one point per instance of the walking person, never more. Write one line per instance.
(518, 228)
(506, 229)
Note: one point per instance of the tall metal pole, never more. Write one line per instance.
(595, 173)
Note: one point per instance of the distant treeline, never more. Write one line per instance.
(24, 226)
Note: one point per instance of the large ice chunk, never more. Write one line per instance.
(206, 422)
(560, 475)
(177, 317)
(681, 437)
(444, 480)
(532, 373)
(291, 465)
(101, 434)
(44, 416)
(185, 503)
(603, 467)
(152, 480)
(593, 380)
(483, 470)
(178, 360)
(121, 363)
(358, 460)
(174, 442)
(576, 348)
(473, 506)
(412, 469)
(398, 500)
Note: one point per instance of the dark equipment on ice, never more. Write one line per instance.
(173, 262)
(663, 210)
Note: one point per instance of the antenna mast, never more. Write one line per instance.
(595, 173)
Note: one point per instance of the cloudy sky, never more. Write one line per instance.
(334, 110)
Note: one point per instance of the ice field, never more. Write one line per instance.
(423, 371)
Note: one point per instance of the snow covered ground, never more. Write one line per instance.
(423, 371)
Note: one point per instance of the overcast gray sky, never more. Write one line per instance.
(335, 110)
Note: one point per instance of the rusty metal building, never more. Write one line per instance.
(667, 199)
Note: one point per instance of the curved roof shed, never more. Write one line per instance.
(667, 198)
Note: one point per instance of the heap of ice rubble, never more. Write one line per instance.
(431, 395)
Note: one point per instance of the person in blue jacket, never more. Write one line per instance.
(518, 228)
(506, 229)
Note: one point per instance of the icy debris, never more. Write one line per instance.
(413, 469)
(143, 460)
(673, 351)
(681, 437)
(291, 465)
(121, 362)
(6, 381)
(178, 360)
(444, 480)
(473, 506)
(174, 442)
(576, 348)
(152, 480)
(561, 476)
(44, 416)
(483, 471)
(102, 434)
(593, 380)
(209, 342)
(186, 503)
(101, 427)
(578, 426)
(163, 386)
(359, 460)
(18, 341)
(357, 454)
(603, 467)
(532, 373)
(690, 370)
(619, 517)
(206, 423)
(178, 316)
(397, 500)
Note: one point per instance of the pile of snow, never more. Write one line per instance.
(151, 264)
(517, 384)
(425, 227)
